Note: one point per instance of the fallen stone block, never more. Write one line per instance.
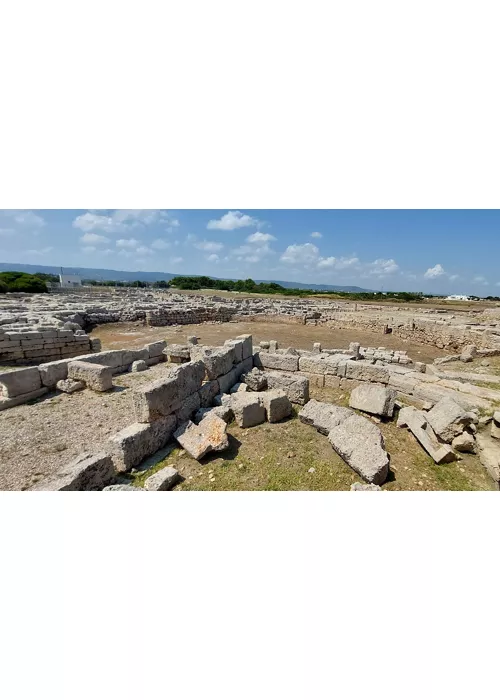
(277, 405)
(238, 388)
(178, 354)
(224, 411)
(416, 422)
(269, 360)
(255, 380)
(131, 356)
(448, 419)
(96, 377)
(20, 381)
(88, 472)
(163, 480)
(209, 435)
(357, 486)
(122, 487)
(248, 410)
(133, 444)
(469, 352)
(228, 380)
(295, 386)
(138, 366)
(69, 386)
(489, 455)
(53, 372)
(373, 398)
(464, 443)
(361, 444)
(323, 416)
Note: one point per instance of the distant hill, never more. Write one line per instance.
(124, 276)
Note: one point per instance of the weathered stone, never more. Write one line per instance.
(217, 361)
(20, 381)
(22, 398)
(189, 405)
(295, 386)
(88, 472)
(156, 349)
(361, 445)
(468, 353)
(489, 455)
(277, 405)
(53, 372)
(237, 346)
(177, 353)
(209, 435)
(323, 416)
(464, 443)
(269, 360)
(247, 341)
(416, 422)
(138, 366)
(133, 444)
(122, 487)
(373, 398)
(163, 396)
(255, 380)
(163, 480)
(248, 410)
(96, 377)
(225, 412)
(448, 419)
(69, 386)
(208, 392)
(357, 486)
(366, 372)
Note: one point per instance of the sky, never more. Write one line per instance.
(435, 251)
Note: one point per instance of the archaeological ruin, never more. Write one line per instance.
(187, 394)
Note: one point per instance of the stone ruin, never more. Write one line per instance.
(212, 386)
(42, 327)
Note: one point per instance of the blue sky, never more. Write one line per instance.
(448, 251)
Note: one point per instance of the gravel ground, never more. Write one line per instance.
(38, 439)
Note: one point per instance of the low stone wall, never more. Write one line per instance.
(31, 346)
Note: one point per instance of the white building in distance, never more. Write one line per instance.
(69, 281)
(457, 297)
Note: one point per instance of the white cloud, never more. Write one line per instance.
(316, 234)
(25, 217)
(42, 251)
(232, 220)
(94, 238)
(122, 220)
(383, 267)
(337, 263)
(306, 253)
(7, 232)
(89, 249)
(127, 243)
(209, 245)
(436, 271)
(175, 261)
(453, 277)
(143, 250)
(213, 258)
(479, 279)
(160, 244)
(260, 237)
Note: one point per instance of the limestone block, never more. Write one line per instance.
(323, 416)
(162, 396)
(208, 392)
(88, 472)
(247, 350)
(448, 419)
(20, 381)
(217, 361)
(268, 360)
(277, 405)
(209, 435)
(248, 410)
(373, 398)
(255, 380)
(189, 405)
(96, 377)
(295, 386)
(416, 422)
(361, 444)
(162, 480)
(156, 349)
(22, 398)
(138, 366)
(237, 345)
(69, 386)
(133, 444)
(366, 372)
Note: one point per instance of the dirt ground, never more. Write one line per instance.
(134, 335)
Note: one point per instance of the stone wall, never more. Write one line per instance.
(27, 346)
